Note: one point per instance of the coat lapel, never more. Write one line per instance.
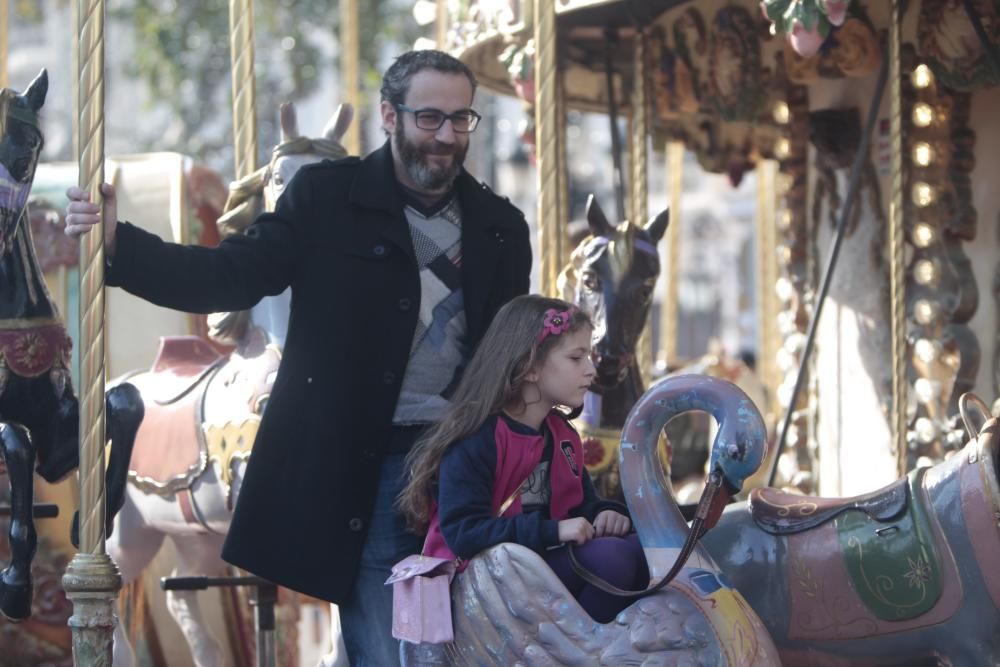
(483, 235)
(375, 188)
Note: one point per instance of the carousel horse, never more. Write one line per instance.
(39, 414)
(203, 411)
(611, 275)
(512, 609)
(906, 575)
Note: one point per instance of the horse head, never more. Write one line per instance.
(260, 191)
(612, 274)
(296, 151)
(20, 145)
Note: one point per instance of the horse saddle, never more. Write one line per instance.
(781, 513)
(169, 450)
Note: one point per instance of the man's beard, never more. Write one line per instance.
(426, 175)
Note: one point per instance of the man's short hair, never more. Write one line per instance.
(396, 81)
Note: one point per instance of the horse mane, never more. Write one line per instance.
(244, 203)
(246, 196)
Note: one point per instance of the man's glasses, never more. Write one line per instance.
(463, 121)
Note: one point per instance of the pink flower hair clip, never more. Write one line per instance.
(555, 322)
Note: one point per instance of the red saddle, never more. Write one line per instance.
(169, 447)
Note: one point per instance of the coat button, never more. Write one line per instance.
(370, 453)
(499, 237)
(355, 524)
(379, 250)
(404, 304)
(388, 377)
(309, 380)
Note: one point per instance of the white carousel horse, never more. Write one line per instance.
(208, 407)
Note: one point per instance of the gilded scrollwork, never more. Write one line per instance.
(948, 44)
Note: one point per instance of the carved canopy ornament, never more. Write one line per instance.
(948, 44)
(712, 88)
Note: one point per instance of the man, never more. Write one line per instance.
(397, 264)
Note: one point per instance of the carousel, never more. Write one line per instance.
(846, 497)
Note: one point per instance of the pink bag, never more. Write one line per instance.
(421, 599)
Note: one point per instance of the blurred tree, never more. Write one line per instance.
(180, 50)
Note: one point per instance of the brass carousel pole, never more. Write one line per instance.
(4, 35)
(241, 57)
(92, 580)
(897, 265)
(668, 314)
(640, 179)
(767, 275)
(350, 68)
(551, 217)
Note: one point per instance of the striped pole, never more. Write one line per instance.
(92, 580)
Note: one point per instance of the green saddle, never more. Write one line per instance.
(894, 565)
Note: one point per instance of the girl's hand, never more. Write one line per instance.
(578, 530)
(610, 522)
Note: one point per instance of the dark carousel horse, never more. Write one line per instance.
(612, 274)
(39, 419)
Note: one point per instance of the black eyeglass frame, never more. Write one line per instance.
(473, 123)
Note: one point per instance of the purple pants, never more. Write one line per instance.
(618, 560)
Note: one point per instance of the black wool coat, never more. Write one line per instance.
(340, 239)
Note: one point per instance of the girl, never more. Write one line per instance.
(504, 465)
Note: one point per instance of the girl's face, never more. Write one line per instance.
(567, 372)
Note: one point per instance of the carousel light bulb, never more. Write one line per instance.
(780, 112)
(923, 154)
(425, 12)
(925, 350)
(784, 255)
(926, 390)
(923, 114)
(922, 76)
(785, 220)
(926, 430)
(785, 360)
(924, 234)
(925, 312)
(424, 44)
(782, 147)
(783, 289)
(925, 272)
(924, 194)
(795, 343)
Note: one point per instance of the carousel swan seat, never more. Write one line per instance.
(509, 608)
(782, 513)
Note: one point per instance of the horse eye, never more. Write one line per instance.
(278, 180)
(646, 292)
(591, 282)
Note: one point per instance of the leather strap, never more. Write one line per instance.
(707, 507)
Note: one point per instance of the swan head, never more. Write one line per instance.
(741, 443)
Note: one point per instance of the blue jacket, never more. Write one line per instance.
(468, 477)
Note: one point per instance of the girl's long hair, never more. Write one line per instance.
(493, 380)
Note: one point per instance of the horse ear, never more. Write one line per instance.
(35, 94)
(339, 122)
(289, 122)
(598, 222)
(657, 226)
